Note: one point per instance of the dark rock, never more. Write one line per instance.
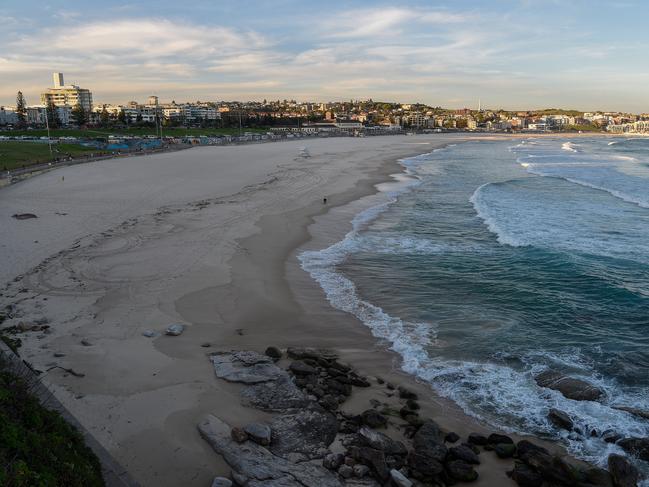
(414, 420)
(451, 437)
(333, 461)
(361, 471)
(638, 447)
(302, 368)
(259, 433)
(374, 419)
(496, 439)
(255, 466)
(86, 343)
(595, 477)
(464, 453)
(505, 450)
(373, 458)
(338, 387)
(610, 436)
(412, 404)
(274, 353)
(379, 441)
(560, 419)
(390, 386)
(477, 439)
(345, 471)
(624, 474)
(239, 435)
(428, 435)
(473, 448)
(461, 471)
(399, 479)
(641, 413)
(348, 427)
(306, 432)
(551, 467)
(406, 411)
(274, 395)
(149, 333)
(23, 216)
(310, 353)
(406, 393)
(576, 389)
(525, 476)
(175, 329)
(246, 367)
(206, 345)
(527, 451)
(427, 460)
(329, 402)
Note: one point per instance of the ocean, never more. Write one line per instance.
(489, 261)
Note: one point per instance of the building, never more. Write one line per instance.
(8, 116)
(71, 95)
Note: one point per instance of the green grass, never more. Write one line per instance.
(14, 154)
(135, 131)
(38, 448)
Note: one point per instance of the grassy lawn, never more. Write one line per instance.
(136, 131)
(15, 154)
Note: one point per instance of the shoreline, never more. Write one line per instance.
(249, 294)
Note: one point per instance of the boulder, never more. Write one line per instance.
(379, 441)
(451, 437)
(525, 476)
(298, 353)
(361, 470)
(307, 431)
(274, 353)
(575, 389)
(427, 462)
(429, 434)
(374, 419)
(333, 461)
(638, 447)
(595, 477)
(238, 434)
(560, 419)
(477, 439)
(641, 413)
(399, 479)
(275, 395)
(464, 453)
(299, 367)
(461, 471)
(497, 439)
(23, 216)
(623, 472)
(221, 482)
(372, 458)
(406, 393)
(259, 466)
(551, 467)
(175, 330)
(259, 433)
(345, 471)
(505, 450)
(149, 333)
(245, 367)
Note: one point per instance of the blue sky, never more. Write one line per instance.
(511, 54)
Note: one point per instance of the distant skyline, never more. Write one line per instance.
(522, 54)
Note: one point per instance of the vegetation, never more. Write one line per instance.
(38, 448)
(15, 154)
(21, 109)
(591, 127)
(103, 133)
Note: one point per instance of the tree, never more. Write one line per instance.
(104, 117)
(21, 109)
(79, 115)
(122, 117)
(53, 119)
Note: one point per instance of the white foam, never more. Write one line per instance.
(569, 146)
(482, 209)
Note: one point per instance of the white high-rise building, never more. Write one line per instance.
(70, 96)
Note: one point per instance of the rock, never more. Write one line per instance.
(406, 393)
(610, 436)
(505, 450)
(477, 439)
(206, 345)
(333, 461)
(23, 216)
(276, 395)
(374, 419)
(641, 413)
(274, 353)
(345, 471)
(379, 441)
(575, 389)
(59, 354)
(311, 353)
(427, 435)
(451, 437)
(595, 477)
(86, 343)
(175, 330)
(560, 419)
(259, 433)
(464, 453)
(239, 435)
(360, 470)
(149, 333)
(525, 476)
(399, 479)
(427, 462)
(246, 367)
(259, 466)
(412, 404)
(528, 451)
(373, 458)
(638, 447)
(551, 467)
(496, 439)
(461, 471)
(307, 432)
(623, 472)
(301, 368)
(221, 482)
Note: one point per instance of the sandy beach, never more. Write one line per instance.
(207, 237)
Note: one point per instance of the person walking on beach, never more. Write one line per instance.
(324, 200)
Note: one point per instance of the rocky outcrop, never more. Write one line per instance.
(560, 419)
(641, 413)
(623, 473)
(245, 367)
(257, 465)
(638, 447)
(307, 432)
(576, 389)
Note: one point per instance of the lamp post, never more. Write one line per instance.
(49, 139)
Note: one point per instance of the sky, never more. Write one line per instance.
(511, 54)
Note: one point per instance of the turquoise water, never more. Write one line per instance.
(503, 258)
